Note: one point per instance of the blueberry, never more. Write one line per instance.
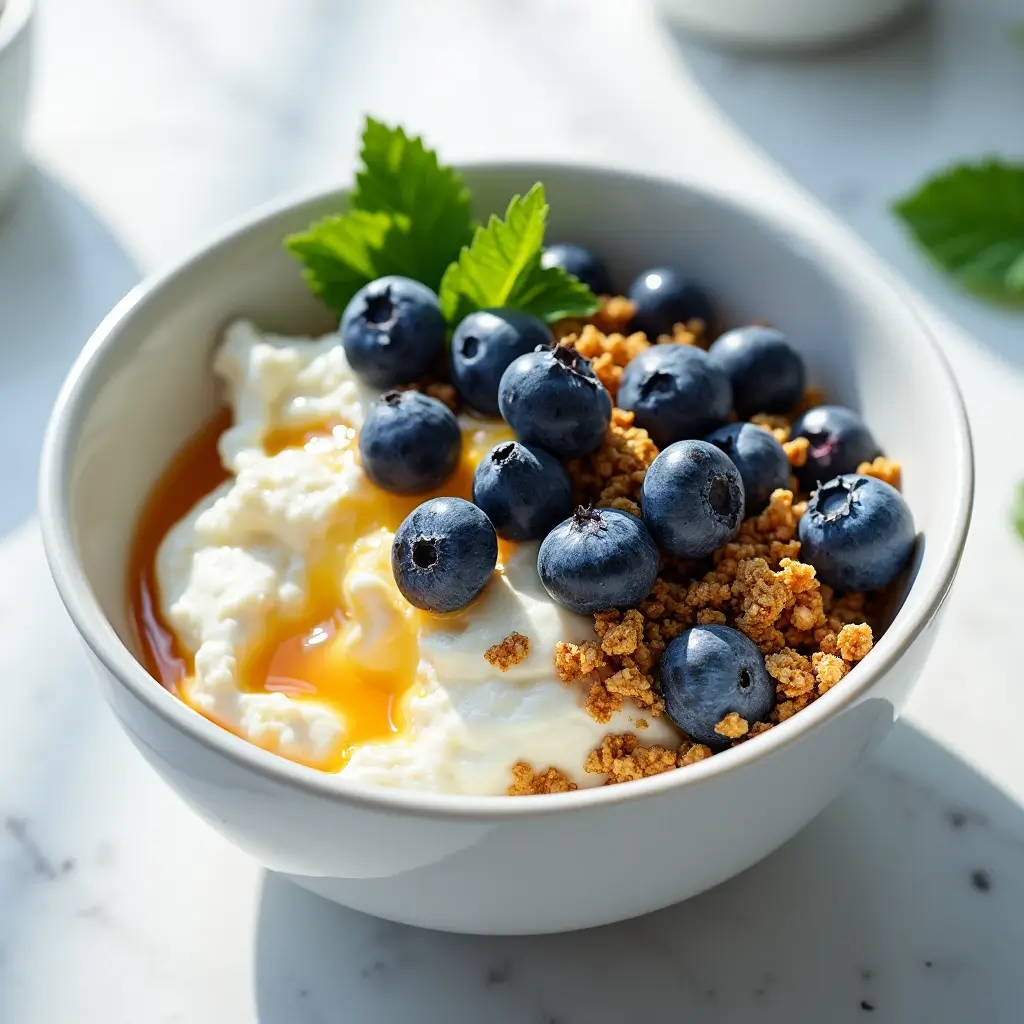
(675, 392)
(524, 491)
(692, 499)
(581, 263)
(484, 344)
(839, 441)
(766, 372)
(443, 554)
(392, 331)
(409, 443)
(599, 558)
(665, 297)
(857, 532)
(762, 463)
(553, 400)
(709, 672)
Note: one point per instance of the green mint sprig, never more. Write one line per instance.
(342, 253)
(429, 202)
(501, 267)
(410, 215)
(970, 220)
(1017, 511)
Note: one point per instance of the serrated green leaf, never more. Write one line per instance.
(402, 177)
(970, 220)
(1018, 511)
(501, 267)
(552, 294)
(342, 253)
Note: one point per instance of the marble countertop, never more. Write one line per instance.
(155, 121)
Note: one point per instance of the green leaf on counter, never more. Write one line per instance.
(970, 220)
(1018, 511)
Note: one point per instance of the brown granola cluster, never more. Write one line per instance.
(526, 783)
(623, 758)
(611, 477)
(886, 470)
(513, 650)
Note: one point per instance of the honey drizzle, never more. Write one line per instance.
(299, 652)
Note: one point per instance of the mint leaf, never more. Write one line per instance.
(342, 253)
(409, 215)
(501, 267)
(402, 177)
(1018, 511)
(970, 220)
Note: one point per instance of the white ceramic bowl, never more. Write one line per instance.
(15, 64)
(488, 864)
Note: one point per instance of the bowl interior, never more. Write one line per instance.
(148, 386)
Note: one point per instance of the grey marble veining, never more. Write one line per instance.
(865, 907)
(153, 122)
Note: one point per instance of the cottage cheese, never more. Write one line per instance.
(242, 562)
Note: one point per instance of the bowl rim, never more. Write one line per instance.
(73, 402)
(14, 18)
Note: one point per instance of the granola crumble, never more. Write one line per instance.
(689, 333)
(828, 670)
(796, 451)
(854, 641)
(526, 783)
(513, 650)
(887, 470)
(622, 758)
(612, 475)
(732, 726)
(691, 753)
(613, 317)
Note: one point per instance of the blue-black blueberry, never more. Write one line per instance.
(409, 443)
(692, 499)
(392, 331)
(598, 558)
(710, 672)
(484, 344)
(664, 297)
(763, 465)
(444, 553)
(767, 374)
(675, 392)
(552, 399)
(839, 442)
(524, 491)
(857, 532)
(583, 264)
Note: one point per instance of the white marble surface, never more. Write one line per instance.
(153, 122)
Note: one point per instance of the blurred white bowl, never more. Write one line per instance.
(785, 24)
(15, 64)
(143, 386)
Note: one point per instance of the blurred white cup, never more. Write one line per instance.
(15, 64)
(784, 24)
